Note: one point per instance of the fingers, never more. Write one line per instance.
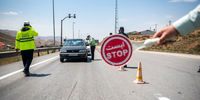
(165, 33)
(158, 34)
(162, 38)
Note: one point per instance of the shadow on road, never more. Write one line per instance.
(199, 70)
(76, 61)
(38, 75)
(131, 67)
(97, 59)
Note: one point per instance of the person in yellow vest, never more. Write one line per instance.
(25, 43)
(92, 45)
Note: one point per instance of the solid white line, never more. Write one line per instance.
(160, 97)
(163, 98)
(15, 72)
(172, 54)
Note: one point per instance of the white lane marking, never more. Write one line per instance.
(163, 98)
(15, 72)
(172, 54)
(160, 97)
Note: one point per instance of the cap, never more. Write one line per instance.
(26, 23)
(121, 28)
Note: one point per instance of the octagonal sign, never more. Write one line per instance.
(116, 50)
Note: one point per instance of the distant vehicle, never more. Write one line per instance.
(75, 49)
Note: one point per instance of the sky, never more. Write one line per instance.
(93, 17)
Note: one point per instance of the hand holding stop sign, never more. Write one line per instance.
(116, 50)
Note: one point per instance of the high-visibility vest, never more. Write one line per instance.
(92, 42)
(25, 38)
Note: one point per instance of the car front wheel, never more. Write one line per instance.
(86, 59)
(61, 59)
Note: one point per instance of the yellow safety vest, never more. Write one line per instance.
(93, 42)
(25, 38)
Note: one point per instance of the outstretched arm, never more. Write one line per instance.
(186, 24)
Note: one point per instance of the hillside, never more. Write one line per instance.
(12, 33)
(8, 38)
(140, 36)
(189, 43)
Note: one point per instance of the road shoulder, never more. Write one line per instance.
(172, 54)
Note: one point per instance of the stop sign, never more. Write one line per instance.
(116, 50)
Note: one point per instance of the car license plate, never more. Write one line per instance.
(73, 54)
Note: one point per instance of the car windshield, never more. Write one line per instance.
(74, 43)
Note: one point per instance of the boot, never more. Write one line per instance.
(26, 72)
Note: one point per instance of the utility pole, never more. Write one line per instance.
(69, 16)
(116, 16)
(78, 33)
(53, 24)
(73, 28)
(170, 22)
(156, 27)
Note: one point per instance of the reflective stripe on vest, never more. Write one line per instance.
(26, 39)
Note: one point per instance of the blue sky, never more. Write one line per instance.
(94, 17)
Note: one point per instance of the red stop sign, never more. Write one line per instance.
(116, 50)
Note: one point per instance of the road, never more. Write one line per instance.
(167, 77)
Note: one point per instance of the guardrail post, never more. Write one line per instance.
(38, 52)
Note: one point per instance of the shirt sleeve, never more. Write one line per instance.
(189, 22)
(17, 45)
(34, 32)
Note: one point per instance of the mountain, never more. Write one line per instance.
(8, 38)
(12, 33)
(57, 38)
(149, 32)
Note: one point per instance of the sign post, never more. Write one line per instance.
(116, 50)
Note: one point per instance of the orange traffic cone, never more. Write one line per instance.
(139, 75)
(121, 68)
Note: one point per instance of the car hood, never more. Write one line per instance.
(73, 47)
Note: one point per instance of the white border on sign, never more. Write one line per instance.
(129, 54)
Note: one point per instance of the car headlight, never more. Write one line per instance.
(82, 51)
(62, 50)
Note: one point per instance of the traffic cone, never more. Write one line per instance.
(139, 74)
(121, 68)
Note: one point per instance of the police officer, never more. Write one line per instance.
(92, 45)
(121, 32)
(25, 43)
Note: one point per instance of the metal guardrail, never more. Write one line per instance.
(37, 50)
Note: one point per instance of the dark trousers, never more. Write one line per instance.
(92, 51)
(27, 57)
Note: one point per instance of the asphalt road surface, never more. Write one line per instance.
(167, 77)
